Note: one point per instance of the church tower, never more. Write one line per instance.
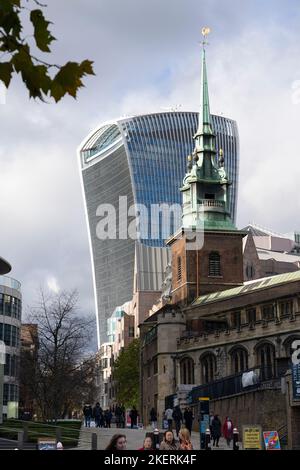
(207, 250)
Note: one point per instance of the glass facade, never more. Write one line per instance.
(10, 325)
(143, 158)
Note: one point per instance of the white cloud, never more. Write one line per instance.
(53, 285)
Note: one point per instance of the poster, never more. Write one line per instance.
(47, 444)
(252, 437)
(271, 439)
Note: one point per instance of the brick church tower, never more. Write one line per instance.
(207, 250)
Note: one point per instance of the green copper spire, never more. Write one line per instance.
(205, 186)
(204, 125)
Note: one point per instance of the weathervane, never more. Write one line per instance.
(205, 32)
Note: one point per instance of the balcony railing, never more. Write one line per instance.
(211, 203)
(10, 282)
(232, 385)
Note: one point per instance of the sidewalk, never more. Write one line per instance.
(134, 437)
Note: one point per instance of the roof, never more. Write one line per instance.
(278, 256)
(5, 267)
(250, 286)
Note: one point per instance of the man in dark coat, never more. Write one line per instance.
(188, 418)
(216, 430)
(133, 416)
(177, 416)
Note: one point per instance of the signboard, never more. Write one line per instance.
(45, 443)
(203, 419)
(252, 437)
(296, 381)
(271, 439)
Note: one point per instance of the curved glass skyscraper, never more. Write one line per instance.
(142, 158)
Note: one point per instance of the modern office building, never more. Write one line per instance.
(141, 159)
(10, 324)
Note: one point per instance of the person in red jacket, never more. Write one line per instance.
(228, 430)
(147, 444)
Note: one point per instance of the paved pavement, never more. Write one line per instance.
(134, 437)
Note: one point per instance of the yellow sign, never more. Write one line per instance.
(252, 437)
(204, 398)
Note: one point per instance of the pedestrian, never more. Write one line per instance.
(188, 418)
(118, 415)
(87, 413)
(169, 418)
(147, 444)
(153, 418)
(117, 442)
(133, 417)
(185, 439)
(169, 442)
(97, 413)
(228, 430)
(211, 417)
(177, 416)
(108, 418)
(216, 427)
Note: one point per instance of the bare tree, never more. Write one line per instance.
(60, 376)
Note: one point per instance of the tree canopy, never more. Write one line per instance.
(17, 53)
(126, 373)
(59, 377)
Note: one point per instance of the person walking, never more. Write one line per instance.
(177, 416)
(87, 413)
(118, 415)
(185, 439)
(169, 418)
(169, 442)
(117, 442)
(153, 418)
(216, 427)
(228, 430)
(108, 417)
(147, 444)
(188, 418)
(97, 413)
(133, 417)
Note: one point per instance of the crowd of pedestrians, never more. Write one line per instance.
(181, 420)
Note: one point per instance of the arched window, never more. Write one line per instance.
(187, 371)
(179, 269)
(265, 357)
(239, 360)
(214, 264)
(208, 368)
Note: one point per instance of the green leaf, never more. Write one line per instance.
(35, 77)
(68, 79)
(42, 35)
(6, 70)
(10, 22)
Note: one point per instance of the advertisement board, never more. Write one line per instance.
(271, 440)
(252, 437)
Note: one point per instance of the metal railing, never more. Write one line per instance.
(232, 385)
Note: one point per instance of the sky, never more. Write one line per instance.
(147, 59)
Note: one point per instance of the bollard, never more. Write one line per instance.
(20, 440)
(156, 438)
(207, 440)
(25, 430)
(235, 439)
(58, 434)
(94, 441)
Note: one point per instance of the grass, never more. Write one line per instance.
(69, 430)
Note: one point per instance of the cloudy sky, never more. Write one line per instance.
(147, 58)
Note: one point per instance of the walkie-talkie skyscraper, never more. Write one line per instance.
(144, 159)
